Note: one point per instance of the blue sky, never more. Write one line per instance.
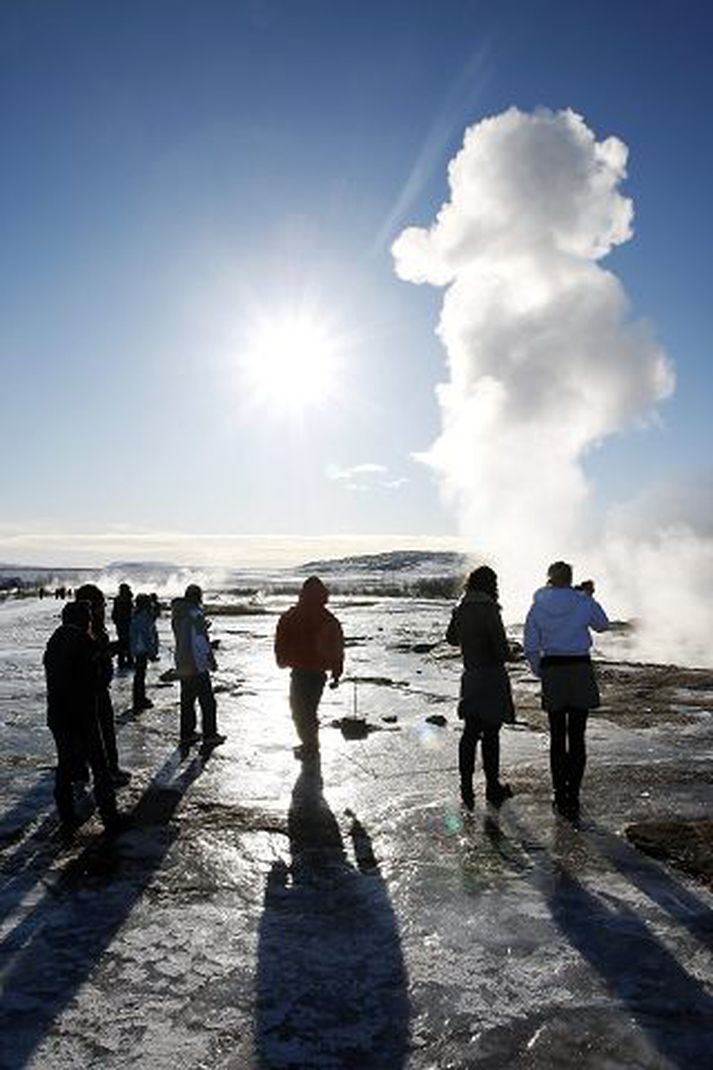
(175, 173)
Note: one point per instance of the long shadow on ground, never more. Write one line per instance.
(331, 980)
(49, 954)
(671, 1007)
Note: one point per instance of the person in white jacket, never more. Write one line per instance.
(557, 647)
(194, 661)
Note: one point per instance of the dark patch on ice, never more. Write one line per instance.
(688, 845)
(355, 727)
(437, 719)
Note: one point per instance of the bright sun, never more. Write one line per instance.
(290, 364)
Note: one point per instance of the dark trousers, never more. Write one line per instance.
(105, 716)
(568, 755)
(77, 748)
(124, 658)
(139, 686)
(473, 732)
(306, 687)
(198, 687)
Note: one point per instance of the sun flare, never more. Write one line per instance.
(290, 364)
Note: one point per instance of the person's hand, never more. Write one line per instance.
(334, 683)
(586, 586)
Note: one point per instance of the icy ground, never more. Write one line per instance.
(262, 914)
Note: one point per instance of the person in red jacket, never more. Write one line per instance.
(310, 642)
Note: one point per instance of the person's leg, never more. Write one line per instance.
(188, 707)
(102, 781)
(577, 752)
(105, 715)
(305, 693)
(207, 703)
(558, 755)
(495, 792)
(466, 760)
(64, 774)
(139, 686)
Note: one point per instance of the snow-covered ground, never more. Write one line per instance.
(265, 914)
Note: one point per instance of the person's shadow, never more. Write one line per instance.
(331, 982)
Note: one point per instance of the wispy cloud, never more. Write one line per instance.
(364, 477)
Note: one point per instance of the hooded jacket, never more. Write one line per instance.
(308, 636)
(559, 623)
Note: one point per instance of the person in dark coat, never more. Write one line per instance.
(557, 642)
(310, 642)
(195, 661)
(71, 674)
(104, 649)
(121, 613)
(144, 647)
(485, 696)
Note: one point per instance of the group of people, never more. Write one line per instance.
(557, 643)
(310, 642)
(78, 662)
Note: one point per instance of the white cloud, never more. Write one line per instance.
(360, 478)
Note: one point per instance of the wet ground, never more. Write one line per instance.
(265, 913)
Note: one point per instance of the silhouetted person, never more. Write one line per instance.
(485, 695)
(121, 614)
(144, 647)
(71, 674)
(309, 641)
(557, 644)
(103, 651)
(194, 662)
(155, 605)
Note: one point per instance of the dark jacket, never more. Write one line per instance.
(71, 674)
(477, 628)
(309, 636)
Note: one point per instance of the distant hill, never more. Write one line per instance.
(421, 562)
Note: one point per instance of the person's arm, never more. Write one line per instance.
(338, 652)
(281, 644)
(598, 619)
(498, 637)
(532, 642)
(453, 631)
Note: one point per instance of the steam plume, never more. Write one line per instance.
(544, 360)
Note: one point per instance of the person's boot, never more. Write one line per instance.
(496, 793)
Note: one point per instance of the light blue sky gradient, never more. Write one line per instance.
(172, 170)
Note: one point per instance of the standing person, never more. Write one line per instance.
(194, 661)
(121, 614)
(485, 695)
(557, 645)
(70, 671)
(310, 642)
(144, 646)
(103, 650)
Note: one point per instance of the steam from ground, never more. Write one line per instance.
(544, 362)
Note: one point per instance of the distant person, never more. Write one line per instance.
(70, 671)
(557, 644)
(121, 614)
(309, 641)
(485, 695)
(103, 652)
(194, 661)
(155, 605)
(144, 648)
